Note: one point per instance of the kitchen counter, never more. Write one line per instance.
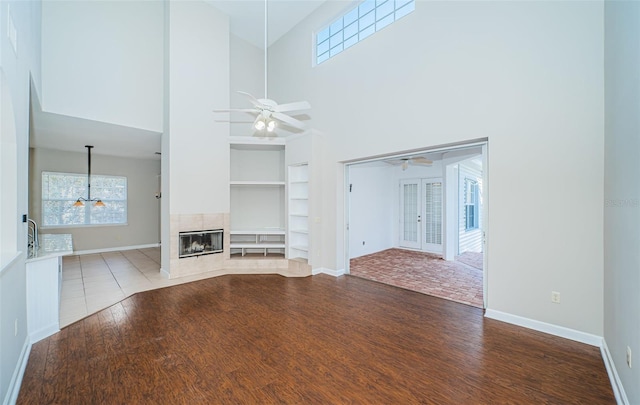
(52, 245)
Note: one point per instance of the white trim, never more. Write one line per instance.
(44, 332)
(16, 379)
(115, 249)
(551, 329)
(324, 270)
(616, 384)
(165, 273)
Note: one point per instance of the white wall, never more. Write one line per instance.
(371, 209)
(199, 83)
(102, 60)
(15, 72)
(246, 73)
(143, 209)
(622, 190)
(526, 75)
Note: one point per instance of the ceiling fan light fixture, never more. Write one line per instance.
(259, 125)
(271, 126)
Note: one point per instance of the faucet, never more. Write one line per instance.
(33, 234)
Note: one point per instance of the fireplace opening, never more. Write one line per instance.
(198, 243)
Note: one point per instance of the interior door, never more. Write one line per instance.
(432, 198)
(410, 212)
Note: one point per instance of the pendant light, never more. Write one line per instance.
(79, 202)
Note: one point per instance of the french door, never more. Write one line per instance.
(421, 214)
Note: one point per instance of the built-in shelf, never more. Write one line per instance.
(257, 195)
(257, 241)
(298, 207)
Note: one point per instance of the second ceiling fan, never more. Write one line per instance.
(267, 111)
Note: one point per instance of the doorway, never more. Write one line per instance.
(421, 224)
(421, 202)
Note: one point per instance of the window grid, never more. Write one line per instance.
(368, 17)
(61, 190)
(471, 204)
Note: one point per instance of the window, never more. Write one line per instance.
(357, 24)
(61, 190)
(471, 213)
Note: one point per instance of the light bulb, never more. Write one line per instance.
(271, 126)
(259, 125)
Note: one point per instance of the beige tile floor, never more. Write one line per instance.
(93, 282)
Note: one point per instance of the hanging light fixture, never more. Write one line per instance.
(79, 202)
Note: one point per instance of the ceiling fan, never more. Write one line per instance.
(267, 111)
(414, 160)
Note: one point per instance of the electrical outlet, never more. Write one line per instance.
(15, 327)
(555, 297)
(629, 356)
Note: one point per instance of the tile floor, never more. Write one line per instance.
(425, 273)
(94, 282)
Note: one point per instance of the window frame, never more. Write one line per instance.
(471, 192)
(332, 34)
(88, 206)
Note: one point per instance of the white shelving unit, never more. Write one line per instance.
(257, 241)
(257, 192)
(298, 206)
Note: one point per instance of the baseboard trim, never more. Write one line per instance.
(18, 373)
(324, 270)
(551, 329)
(44, 332)
(616, 383)
(115, 249)
(165, 273)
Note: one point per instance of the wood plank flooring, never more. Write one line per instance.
(264, 339)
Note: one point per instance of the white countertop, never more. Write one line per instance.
(52, 245)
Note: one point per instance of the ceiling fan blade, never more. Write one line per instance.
(297, 106)
(252, 99)
(419, 160)
(288, 120)
(249, 110)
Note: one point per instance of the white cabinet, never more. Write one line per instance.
(298, 207)
(257, 191)
(44, 282)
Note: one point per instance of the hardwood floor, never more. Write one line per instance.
(265, 339)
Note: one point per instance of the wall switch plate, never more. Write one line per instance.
(555, 297)
(629, 356)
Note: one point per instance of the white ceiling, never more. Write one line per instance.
(55, 131)
(246, 17)
(246, 20)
